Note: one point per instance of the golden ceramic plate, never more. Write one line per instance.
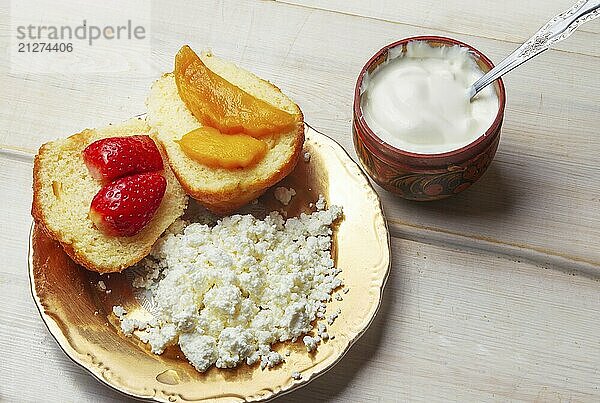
(78, 312)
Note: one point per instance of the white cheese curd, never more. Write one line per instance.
(418, 101)
(311, 342)
(322, 331)
(331, 318)
(320, 204)
(284, 195)
(119, 311)
(226, 292)
(271, 359)
(200, 350)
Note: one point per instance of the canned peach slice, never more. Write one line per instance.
(217, 103)
(208, 146)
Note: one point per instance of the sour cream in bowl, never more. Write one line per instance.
(415, 130)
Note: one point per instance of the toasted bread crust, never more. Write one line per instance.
(37, 211)
(228, 200)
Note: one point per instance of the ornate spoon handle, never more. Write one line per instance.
(555, 30)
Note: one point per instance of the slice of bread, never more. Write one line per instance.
(62, 193)
(222, 190)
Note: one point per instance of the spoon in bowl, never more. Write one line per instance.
(555, 30)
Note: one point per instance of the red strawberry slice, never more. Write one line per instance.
(125, 206)
(115, 157)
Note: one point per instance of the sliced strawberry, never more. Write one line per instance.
(125, 206)
(115, 157)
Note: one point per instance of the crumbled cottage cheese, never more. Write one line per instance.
(311, 342)
(331, 318)
(226, 293)
(119, 311)
(322, 331)
(284, 195)
(128, 325)
(320, 204)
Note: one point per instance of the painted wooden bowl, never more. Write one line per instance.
(425, 176)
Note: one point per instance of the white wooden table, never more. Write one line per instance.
(493, 295)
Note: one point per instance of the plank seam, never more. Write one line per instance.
(465, 242)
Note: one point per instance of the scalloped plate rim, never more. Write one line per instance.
(76, 357)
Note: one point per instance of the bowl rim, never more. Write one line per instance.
(393, 150)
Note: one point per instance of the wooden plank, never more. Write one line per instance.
(511, 20)
(30, 354)
(457, 325)
(512, 339)
(541, 194)
(509, 316)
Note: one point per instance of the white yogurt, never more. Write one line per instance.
(418, 101)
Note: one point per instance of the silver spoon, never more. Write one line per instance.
(555, 30)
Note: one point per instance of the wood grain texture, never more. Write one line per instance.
(493, 294)
(541, 181)
(510, 21)
(454, 324)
